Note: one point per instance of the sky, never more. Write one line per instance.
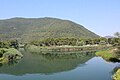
(100, 16)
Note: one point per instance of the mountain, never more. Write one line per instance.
(109, 37)
(27, 29)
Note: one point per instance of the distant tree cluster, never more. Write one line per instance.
(9, 44)
(76, 42)
(117, 34)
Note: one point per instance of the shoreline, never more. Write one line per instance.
(38, 49)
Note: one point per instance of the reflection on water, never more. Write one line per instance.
(46, 64)
(70, 66)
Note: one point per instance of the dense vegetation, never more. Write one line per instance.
(9, 44)
(111, 54)
(76, 41)
(9, 52)
(26, 29)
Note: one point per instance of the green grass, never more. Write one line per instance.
(116, 76)
(106, 54)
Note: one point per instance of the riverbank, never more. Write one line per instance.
(116, 76)
(110, 54)
(38, 49)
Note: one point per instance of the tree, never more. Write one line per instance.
(117, 34)
(14, 44)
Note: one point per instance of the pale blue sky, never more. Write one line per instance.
(99, 16)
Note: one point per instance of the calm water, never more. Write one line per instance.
(51, 67)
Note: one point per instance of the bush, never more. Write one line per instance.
(9, 54)
(116, 76)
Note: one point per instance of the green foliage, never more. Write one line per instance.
(70, 42)
(105, 54)
(4, 44)
(26, 30)
(109, 54)
(116, 41)
(14, 44)
(9, 54)
(116, 76)
(2, 51)
(117, 52)
(9, 44)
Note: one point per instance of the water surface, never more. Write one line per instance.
(84, 66)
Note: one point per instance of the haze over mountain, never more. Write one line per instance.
(28, 29)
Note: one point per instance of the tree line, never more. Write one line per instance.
(76, 41)
(9, 44)
(63, 41)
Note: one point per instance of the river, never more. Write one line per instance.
(84, 66)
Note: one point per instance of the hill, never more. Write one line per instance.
(27, 29)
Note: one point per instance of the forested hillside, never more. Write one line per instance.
(28, 29)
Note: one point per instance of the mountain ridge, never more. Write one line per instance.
(28, 29)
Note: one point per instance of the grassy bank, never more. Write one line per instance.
(110, 54)
(116, 76)
(106, 54)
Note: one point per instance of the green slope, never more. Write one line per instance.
(27, 29)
